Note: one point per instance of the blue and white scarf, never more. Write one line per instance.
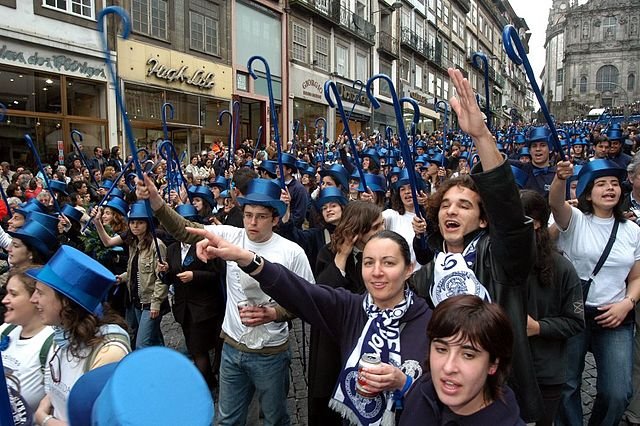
(452, 274)
(381, 335)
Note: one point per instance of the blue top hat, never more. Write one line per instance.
(37, 236)
(519, 138)
(48, 221)
(106, 184)
(376, 183)
(437, 159)
(110, 395)
(580, 141)
(338, 173)
(289, 160)
(596, 169)
(615, 132)
(524, 152)
(331, 194)
(138, 211)
(520, 176)
(56, 185)
(249, 164)
(220, 182)
(301, 165)
(269, 166)
(264, 192)
(32, 205)
(537, 134)
(225, 194)
(421, 159)
(203, 192)
(576, 172)
(188, 211)
(355, 175)
(115, 192)
(373, 156)
(330, 156)
(403, 180)
(71, 212)
(420, 144)
(118, 204)
(395, 171)
(309, 171)
(77, 276)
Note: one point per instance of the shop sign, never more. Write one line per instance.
(349, 94)
(50, 61)
(312, 88)
(199, 78)
(420, 98)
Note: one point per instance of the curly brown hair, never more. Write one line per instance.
(118, 223)
(435, 200)
(81, 327)
(357, 218)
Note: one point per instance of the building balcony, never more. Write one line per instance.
(388, 45)
(465, 5)
(352, 23)
(334, 13)
(414, 42)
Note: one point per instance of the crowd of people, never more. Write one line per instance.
(469, 295)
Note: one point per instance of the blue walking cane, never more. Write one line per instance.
(168, 153)
(76, 134)
(329, 87)
(476, 59)
(229, 138)
(355, 101)
(414, 121)
(272, 107)
(402, 133)
(235, 109)
(518, 55)
(115, 184)
(165, 128)
(255, 149)
(126, 30)
(296, 128)
(445, 122)
(323, 134)
(36, 156)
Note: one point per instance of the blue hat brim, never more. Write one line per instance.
(584, 179)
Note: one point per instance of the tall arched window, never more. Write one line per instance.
(606, 78)
(631, 81)
(583, 84)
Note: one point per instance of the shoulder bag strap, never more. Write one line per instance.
(607, 250)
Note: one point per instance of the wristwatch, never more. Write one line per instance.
(251, 267)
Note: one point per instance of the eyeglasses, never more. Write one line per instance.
(259, 217)
(55, 373)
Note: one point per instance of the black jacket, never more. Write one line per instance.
(203, 297)
(505, 255)
(422, 407)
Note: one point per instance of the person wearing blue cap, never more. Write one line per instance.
(605, 249)
(616, 154)
(298, 194)
(539, 170)
(255, 355)
(69, 292)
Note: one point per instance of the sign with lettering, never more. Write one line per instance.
(349, 94)
(312, 88)
(46, 59)
(199, 78)
(155, 66)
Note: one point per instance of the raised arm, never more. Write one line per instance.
(107, 241)
(559, 207)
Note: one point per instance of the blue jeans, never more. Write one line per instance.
(242, 374)
(145, 330)
(613, 352)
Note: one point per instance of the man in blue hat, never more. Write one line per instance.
(539, 171)
(299, 195)
(255, 355)
(616, 139)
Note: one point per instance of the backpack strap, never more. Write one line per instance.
(7, 331)
(44, 352)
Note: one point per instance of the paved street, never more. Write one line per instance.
(297, 400)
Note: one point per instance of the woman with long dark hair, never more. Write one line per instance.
(555, 297)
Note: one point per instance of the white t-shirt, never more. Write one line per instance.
(68, 369)
(22, 366)
(584, 241)
(241, 286)
(394, 221)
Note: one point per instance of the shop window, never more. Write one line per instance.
(85, 98)
(150, 17)
(25, 90)
(300, 41)
(82, 8)
(143, 103)
(185, 106)
(93, 135)
(321, 55)
(204, 33)
(342, 60)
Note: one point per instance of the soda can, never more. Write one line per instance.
(366, 360)
(243, 304)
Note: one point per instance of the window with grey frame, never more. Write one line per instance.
(84, 8)
(609, 25)
(631, 81)
(204, 32)
(299, 42)
(321, 52)
(342, 60)
(362, 66)
(150, 17)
